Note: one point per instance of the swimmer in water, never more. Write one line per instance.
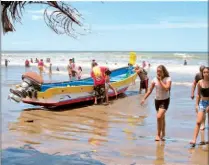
(41, 66)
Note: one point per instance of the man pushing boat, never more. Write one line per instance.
(98, 75)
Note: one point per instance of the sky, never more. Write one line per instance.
(118, 26)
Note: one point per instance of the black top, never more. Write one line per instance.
(204, 92)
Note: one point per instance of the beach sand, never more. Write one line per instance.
(120, 133)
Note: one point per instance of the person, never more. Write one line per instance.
(143, 78)
(108, 85)
(98, 76)
(48, 60)
(202, 103)
(130, 69)
(143, 64)
(130, 65)
(73, 63)
(79, 72)
(57, 69)
(27, 63)
(6, 62)
(197, 78)
(70, 68)
(31, 60)
(92, 62)
(37, 61)
(185, 62)
(50, 68)
(41, 66)
(74, 74)
(162, 83)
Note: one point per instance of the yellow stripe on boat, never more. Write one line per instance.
(79, 89)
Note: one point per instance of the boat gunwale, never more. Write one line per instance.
(81, 79)
(52, 91)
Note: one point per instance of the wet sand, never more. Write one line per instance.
(120, 133)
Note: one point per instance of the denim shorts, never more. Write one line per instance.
(203, 105)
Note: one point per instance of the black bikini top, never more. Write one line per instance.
(204, 92)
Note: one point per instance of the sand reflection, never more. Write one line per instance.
(160, 146)
(82, 124)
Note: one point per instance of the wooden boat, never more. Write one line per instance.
(36, 92)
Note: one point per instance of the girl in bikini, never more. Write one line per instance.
(202, 103)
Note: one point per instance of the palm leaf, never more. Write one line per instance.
(61, 20)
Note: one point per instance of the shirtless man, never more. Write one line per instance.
(143, 77)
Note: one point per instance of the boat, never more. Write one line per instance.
(34, 91)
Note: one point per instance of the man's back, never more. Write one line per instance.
(141, 74)
(98, 75)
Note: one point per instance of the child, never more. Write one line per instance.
(108, 85)
(50, 68)
(73, 74)
(79, 72)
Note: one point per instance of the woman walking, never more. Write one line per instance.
(162, 83)
(202, 103)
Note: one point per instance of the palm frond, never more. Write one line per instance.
(60, 20)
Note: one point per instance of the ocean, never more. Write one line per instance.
(120, 133)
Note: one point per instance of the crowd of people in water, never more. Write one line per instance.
(162, 83)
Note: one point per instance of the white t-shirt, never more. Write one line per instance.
(161, 93)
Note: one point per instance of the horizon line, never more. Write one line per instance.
(104, 50)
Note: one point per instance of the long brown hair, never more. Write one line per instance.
(165, 71)
(203, 70)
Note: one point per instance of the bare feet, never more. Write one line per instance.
(162, 136)
(202, 127)
(157, 138)
(202, 143)
(192, 143)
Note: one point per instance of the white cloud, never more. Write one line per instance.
(36, 11)
(181, 19)
(83, 12)
(38, 14)
(21, 43)
(40, 11)
(161, 25)
(37, 17)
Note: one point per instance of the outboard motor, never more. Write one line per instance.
(31, 84)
